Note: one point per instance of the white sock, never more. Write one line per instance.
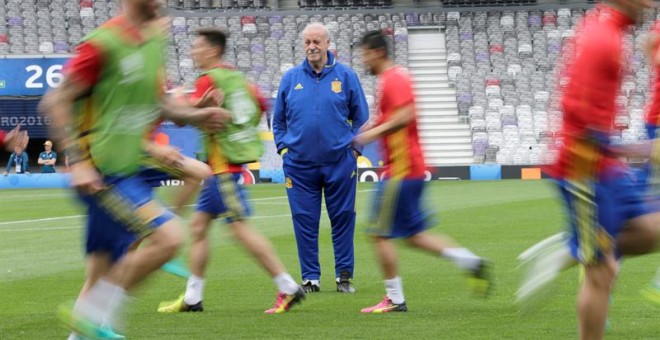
(394, 290)
(285, 283)
(314, 282)
(194, 290)
(102, 303)
(462, 257)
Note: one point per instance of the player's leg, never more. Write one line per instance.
(129, 201)
(340, 186)
(303, 188)
(652, 291)
(199, 253)
(394, 300)
(545, 260)
(289, 293)
(97, 265)
(193, 173)
(641, 236)
(236, 211)
(382, 227)
(594, 296)
(416, 219)
(477, 268)
(209, 205)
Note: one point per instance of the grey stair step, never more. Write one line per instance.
(435, 91)
(437, 120)
(432, 79)
(418, 51)
(444, 126)
(444, 133)
(432, 85)
(446, 140)
(436, 99)
(447, 147)
(423, 57)
(449, 161)
(449, 154)
(427, 64)
(436, 112)
(436, 105)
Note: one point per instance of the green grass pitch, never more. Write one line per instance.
(41, 266)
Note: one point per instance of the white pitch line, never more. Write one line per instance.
(79, 226)
(42, 219)
(41, 229)
(78, 216)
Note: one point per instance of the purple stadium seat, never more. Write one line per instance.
(15, 21)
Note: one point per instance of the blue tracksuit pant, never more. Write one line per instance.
(305, 186)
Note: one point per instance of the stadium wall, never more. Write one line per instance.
(253, 176)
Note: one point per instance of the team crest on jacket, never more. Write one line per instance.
(288, 183)
(336, 86)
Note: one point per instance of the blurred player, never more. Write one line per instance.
(607, 212)
(397, 208)
(114, 87)
(652, 291)
(222, 196)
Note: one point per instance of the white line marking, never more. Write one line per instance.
(41, 229)
(42, 219)
(78, 216)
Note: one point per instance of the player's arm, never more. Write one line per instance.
(206, 95)
(358, 107)
(14, 138)
(650, 48)
(58, 105)
(53, 160)
(279, 116)
(83, 72)
(401, 117)
(41, 161)
(209, 118)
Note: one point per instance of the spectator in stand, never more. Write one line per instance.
(19, 161)
(47, 158)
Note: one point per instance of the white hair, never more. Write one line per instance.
(316, 25)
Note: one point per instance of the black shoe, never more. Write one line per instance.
(195, 308)
(480, 279)
(309, 287)
(344, 284)
(179, 305)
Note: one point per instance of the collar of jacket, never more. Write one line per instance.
(328, 66)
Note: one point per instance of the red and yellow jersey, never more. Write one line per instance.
(589, 98)
(122, 67)
(216, 156)
(402, 151)
(653, 114)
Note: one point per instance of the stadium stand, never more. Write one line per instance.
(502, 63)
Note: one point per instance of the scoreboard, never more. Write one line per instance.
(23, 80)
(29, 76)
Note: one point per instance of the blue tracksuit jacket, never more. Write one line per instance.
(316, 116)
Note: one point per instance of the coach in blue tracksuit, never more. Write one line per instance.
(320, 107)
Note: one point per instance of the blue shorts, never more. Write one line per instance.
(598, 212)
(222, 196)
(122, 214)
(154, 172)
(397, 210)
